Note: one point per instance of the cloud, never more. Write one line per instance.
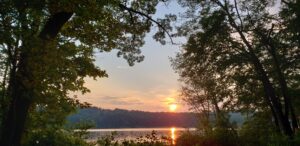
(158, 98)
(108, 98)
(122, 67)
(113, 100)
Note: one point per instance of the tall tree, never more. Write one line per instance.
(244, 40)
(49, 45)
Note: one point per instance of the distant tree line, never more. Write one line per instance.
(120, 118)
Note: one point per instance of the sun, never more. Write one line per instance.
(173, 107)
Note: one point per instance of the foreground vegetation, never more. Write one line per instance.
(218, 137)
(256, 131)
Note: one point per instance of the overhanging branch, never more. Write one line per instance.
(149, 18)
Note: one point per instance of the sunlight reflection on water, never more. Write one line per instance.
(173, 135)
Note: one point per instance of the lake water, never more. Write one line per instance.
(134, 133)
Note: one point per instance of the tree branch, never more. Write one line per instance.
(285, 2)
(238, 14)
(270, 32)
(148, 17)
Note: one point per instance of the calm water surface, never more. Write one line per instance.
(133, 133)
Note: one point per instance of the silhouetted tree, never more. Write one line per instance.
(47, 48)
(247, 44)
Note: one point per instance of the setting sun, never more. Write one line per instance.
(172, 107)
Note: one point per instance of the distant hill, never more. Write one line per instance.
(119, 118)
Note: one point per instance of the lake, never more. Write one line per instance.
(134, 133)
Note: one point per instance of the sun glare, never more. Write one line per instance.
(172, 107)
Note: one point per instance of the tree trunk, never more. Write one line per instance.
(289, 109)
(3, 98)
(4, 87)
(273, 113)
(8, 101)
(284, 89)
(275, 102)
(268, 88)
(21, 93)
(15, 122)
(22, 84)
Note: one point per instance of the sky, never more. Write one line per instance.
(151, 85)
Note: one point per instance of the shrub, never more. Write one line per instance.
(53, 138)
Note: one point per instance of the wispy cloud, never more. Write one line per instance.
(122, 67)
(107, 95)
(113, 100)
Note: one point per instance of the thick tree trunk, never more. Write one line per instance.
(11, 82)
(21, 93)
(14, 125)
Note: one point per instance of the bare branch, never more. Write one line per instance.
(270, 31)
(285, 2)
(234, 25)
(238, 14)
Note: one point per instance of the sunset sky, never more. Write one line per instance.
(149, 86)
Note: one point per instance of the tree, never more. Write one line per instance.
(204, 91)
(47, 47)
(246, 43)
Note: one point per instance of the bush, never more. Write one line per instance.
(148, 140)
(258, 130)
(220, 132)
(53, 138)
(189, 139)
(217, 137)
